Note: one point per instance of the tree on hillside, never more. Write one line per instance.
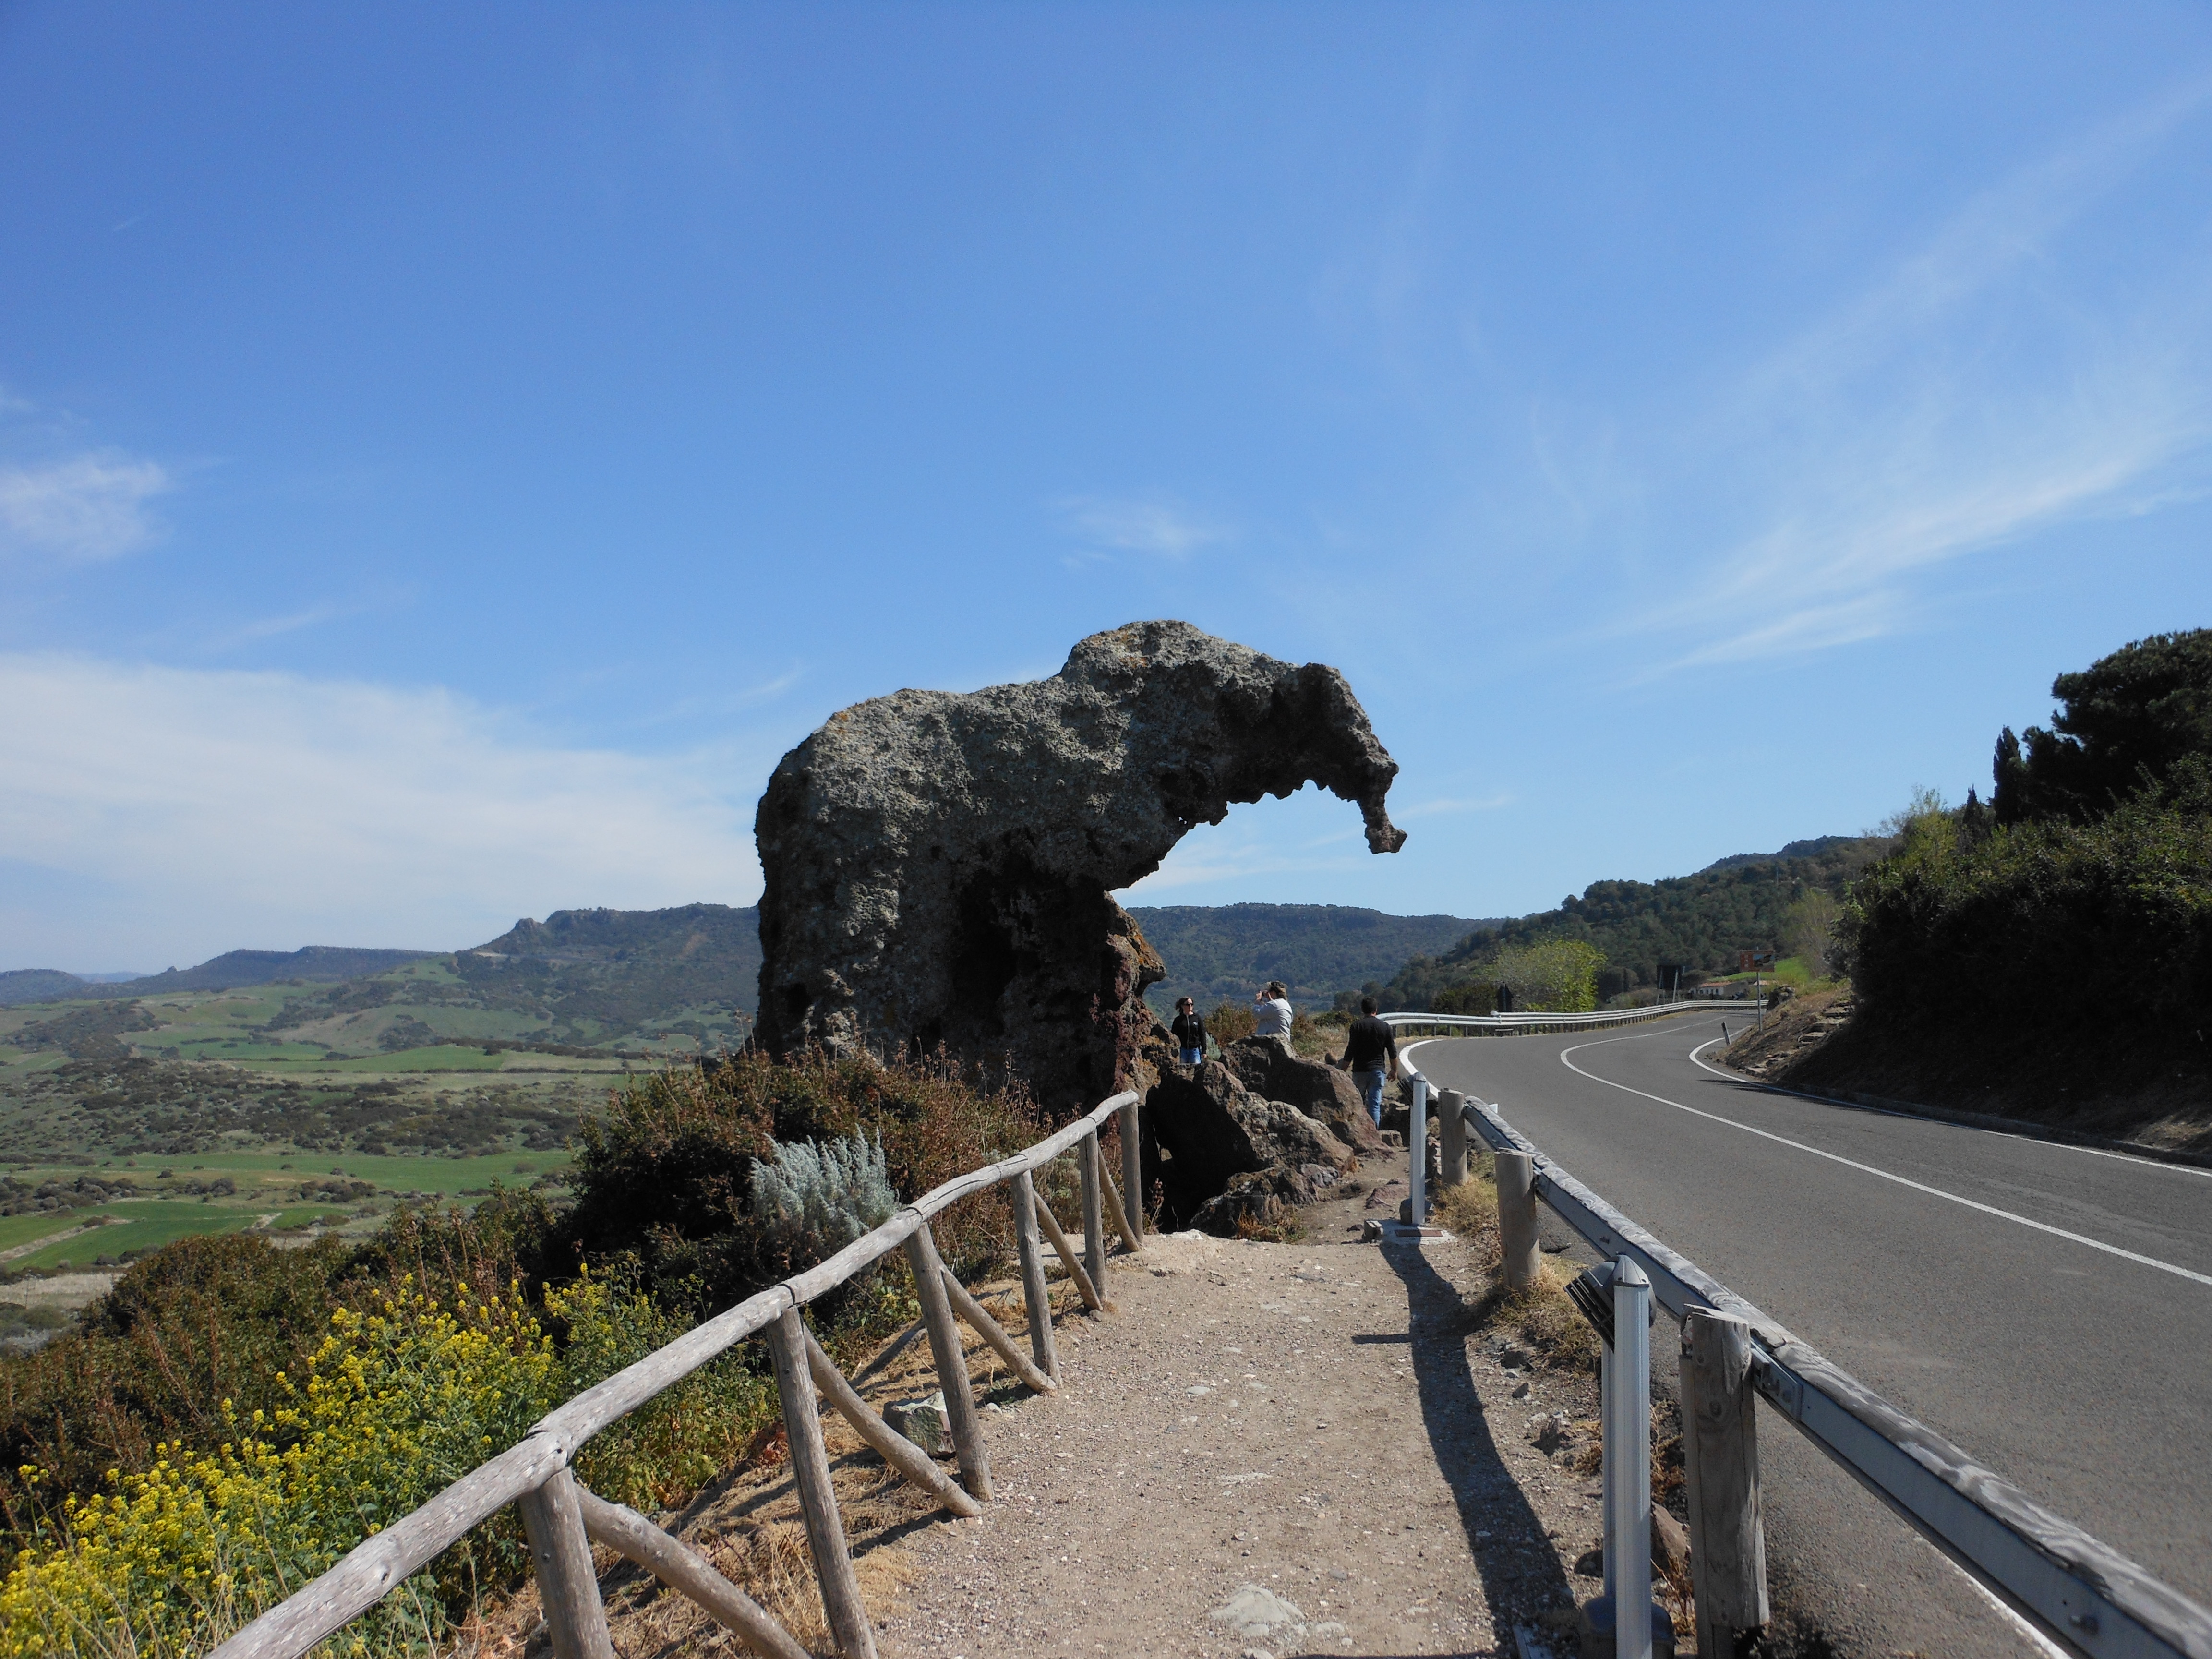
(2126, 719)
(1808, 930)
(1557, 975)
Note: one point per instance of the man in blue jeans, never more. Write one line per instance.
(1370, 1054)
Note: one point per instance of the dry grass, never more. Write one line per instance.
(1541, 1317)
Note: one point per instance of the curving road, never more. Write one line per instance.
(2047, 1308)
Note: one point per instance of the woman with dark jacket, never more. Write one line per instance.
(1189, 1031)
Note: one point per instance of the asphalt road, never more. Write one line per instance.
(2047, 1308)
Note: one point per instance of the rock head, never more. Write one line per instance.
(939, 866)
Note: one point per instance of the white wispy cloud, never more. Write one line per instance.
(271, 628)
(1432, 809)
(1141, 523)
(1995, 380)
(84, 508)
(227, 809)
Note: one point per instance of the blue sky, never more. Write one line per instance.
(448, 454)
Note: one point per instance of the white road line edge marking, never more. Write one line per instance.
(1974, 1128)
(1868, 1168)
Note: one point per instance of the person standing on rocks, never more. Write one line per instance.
(1271, 1008)
(1189, 1031)
(1370, 1054)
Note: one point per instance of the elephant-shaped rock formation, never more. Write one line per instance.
(939, 866)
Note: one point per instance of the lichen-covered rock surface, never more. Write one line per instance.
(940, 866)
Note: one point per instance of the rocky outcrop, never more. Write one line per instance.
(1259, 1199)
(1267, 1066)
(1205, 1134)
(938, 866)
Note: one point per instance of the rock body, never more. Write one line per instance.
(1218, 1151)
(1267, 1066)
(938, 866)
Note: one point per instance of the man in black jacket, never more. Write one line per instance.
(1370, 1054)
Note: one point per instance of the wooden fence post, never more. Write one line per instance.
(1117, 1216)
(1034, 1289)
(951, 1361)
(1132, 1176)
(894, 1448)
(1068, 1258)
(561, 1556)
(684, 1569)
(1516, 1219)
(817, 1497)
(1094, 1213)
(1720, 1455)
(977, 1317)
(1451, 1128)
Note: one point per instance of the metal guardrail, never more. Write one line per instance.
(537, 1465)
(1523, 1024)
(2081, 1592)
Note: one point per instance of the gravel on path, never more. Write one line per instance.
(1268, 1448)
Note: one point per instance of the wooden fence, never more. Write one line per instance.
(562, 1520)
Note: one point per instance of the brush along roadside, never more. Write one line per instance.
(1543, 1325)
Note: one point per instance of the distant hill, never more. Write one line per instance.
(315, 963)
(1818, 846)
(21, 985)
(1215, 953)
(623, 967)
(1702, 921)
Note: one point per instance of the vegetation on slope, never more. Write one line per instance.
(1745, 903)
(1222, 953)
(2053, 960)
(231, 1418)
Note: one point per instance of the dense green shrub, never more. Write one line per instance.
(665, 1172)
(1468, 996)
(397, 1400)
(2127, 721)
(183, 1330)
(221, 1318)
(1982, 933)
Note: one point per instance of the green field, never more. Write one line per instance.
(20, 1230)
(222, 1107)
(135, 1225)
(266, 1185)
(398, 1172)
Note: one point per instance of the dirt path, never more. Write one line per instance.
(1269, 1447)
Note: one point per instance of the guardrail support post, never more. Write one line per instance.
(1516, 1219)
(1094, 1213)
(1628, 1462)
(951, 1361)
(560, 1557)
(1034, 1289)
(1720, 1447)
(1452, 1130)
(1417, 1206)
(818, 1498)
(1132, 1173)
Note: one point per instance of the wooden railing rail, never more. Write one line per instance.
(560, 1517)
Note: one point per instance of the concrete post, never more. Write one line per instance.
(1418, 1143)
(1516, 1219)
(1451, 1128)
